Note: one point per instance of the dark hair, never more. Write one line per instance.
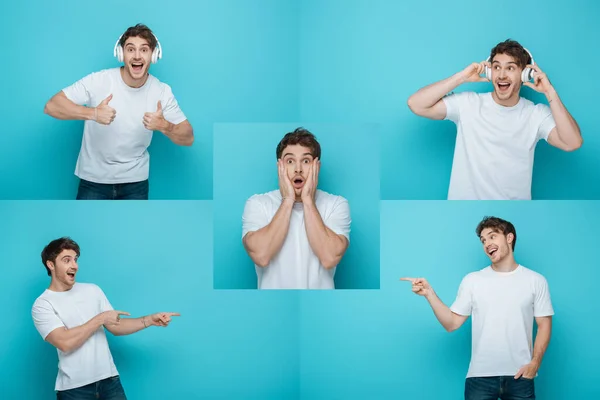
(513, 49)
(302, 137)
(497, 225)
(142, 31)
(55, 247)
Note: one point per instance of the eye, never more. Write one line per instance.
(289, 160)
(306, 161)
(130, 49)
(144, 50)
(511, 68)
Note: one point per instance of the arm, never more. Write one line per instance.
(428, 103)
(60, 107)
(127, 326)
(542, 339)
(450, 320)
(67, 340)
(181, 133)
(328, 246)
(264, 243)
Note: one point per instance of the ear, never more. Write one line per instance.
(509, 238)
(50, 265)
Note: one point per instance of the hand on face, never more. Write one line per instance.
(310, 186)
(113, 317)
(541, 83)
(420, 286)
(473, 72)
(162, 318)
(285, 184)
(155, 121)
(105, 114)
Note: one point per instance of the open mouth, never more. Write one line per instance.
(298, 182)
(503, 86)
(71, 275)
(137, 67)
(492, 251)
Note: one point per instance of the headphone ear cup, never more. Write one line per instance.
(155, 55)
(526, 75)
(488, 73)
(120, 53)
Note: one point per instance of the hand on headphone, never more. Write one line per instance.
(541, 83)
(473, 72)
(155, 121)
(105, 114)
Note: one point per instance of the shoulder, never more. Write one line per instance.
(328, 198)
(533, 275)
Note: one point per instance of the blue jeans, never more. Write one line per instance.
(503, 387)
(106, 389)
(120, 191)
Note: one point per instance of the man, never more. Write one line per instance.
(72, 317)
(296, 235)
(498, 131)
(124, 106)
(504, 299)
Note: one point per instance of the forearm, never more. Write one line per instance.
(542, 339)
(326, 244)
(60, 107)
(71, 339)
(428, 96)
(442, 312)
(263, 244)
(566, 127)
(181, 134)
(127, 326)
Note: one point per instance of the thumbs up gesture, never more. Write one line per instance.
(155, 121)
(105, 114)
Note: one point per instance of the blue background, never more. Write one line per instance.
(361, 60)
(230, 61)
(388, 344)
(147, 257)
(245, 164)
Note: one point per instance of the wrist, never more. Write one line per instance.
(308, 202)
(167, 127)
(551, 95)
(91, 114)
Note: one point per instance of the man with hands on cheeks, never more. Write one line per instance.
(497, 132)
(121, 107)
(503, 299)
(296, 235)
(72, 317)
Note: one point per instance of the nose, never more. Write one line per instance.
(298, 168)
(502, 73)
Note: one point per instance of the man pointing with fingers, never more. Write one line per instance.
(503, 299)
(72, 317)
(121, 108)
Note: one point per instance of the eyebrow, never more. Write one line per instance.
(141, 45)
(290, 154)
(510, 62)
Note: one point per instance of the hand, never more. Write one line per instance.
(162, 318)
(103, 113)
(420, 286)
(541, 83)
(155, 121)
(112, 317)
(473, 72)
(528, 371)
(310, 186)
(285, 184)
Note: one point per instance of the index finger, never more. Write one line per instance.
(412, 280)
(123, 313)
(173, 314)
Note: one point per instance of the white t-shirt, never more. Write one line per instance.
(296, 266)
(92, 361)
(117, 153)
(503, 307)
(493, 157)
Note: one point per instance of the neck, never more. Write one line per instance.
(510, 102)
(57, 286)
(130, 81)
(507, 264)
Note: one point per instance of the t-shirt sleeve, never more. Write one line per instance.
(171, 110)
(547, 122)
(542, 304)
(254, 217)
(81, 92)
(454, 104)
(44, 318)
(463, 305)
(104, 303)
(339, 219)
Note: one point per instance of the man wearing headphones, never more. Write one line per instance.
(73, 317)
(123, 106)
(503, 299)
(497, 132)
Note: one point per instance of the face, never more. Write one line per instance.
(495, 244)
(137, 57)
(297, 159)
(506, 77)
(64, 268)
